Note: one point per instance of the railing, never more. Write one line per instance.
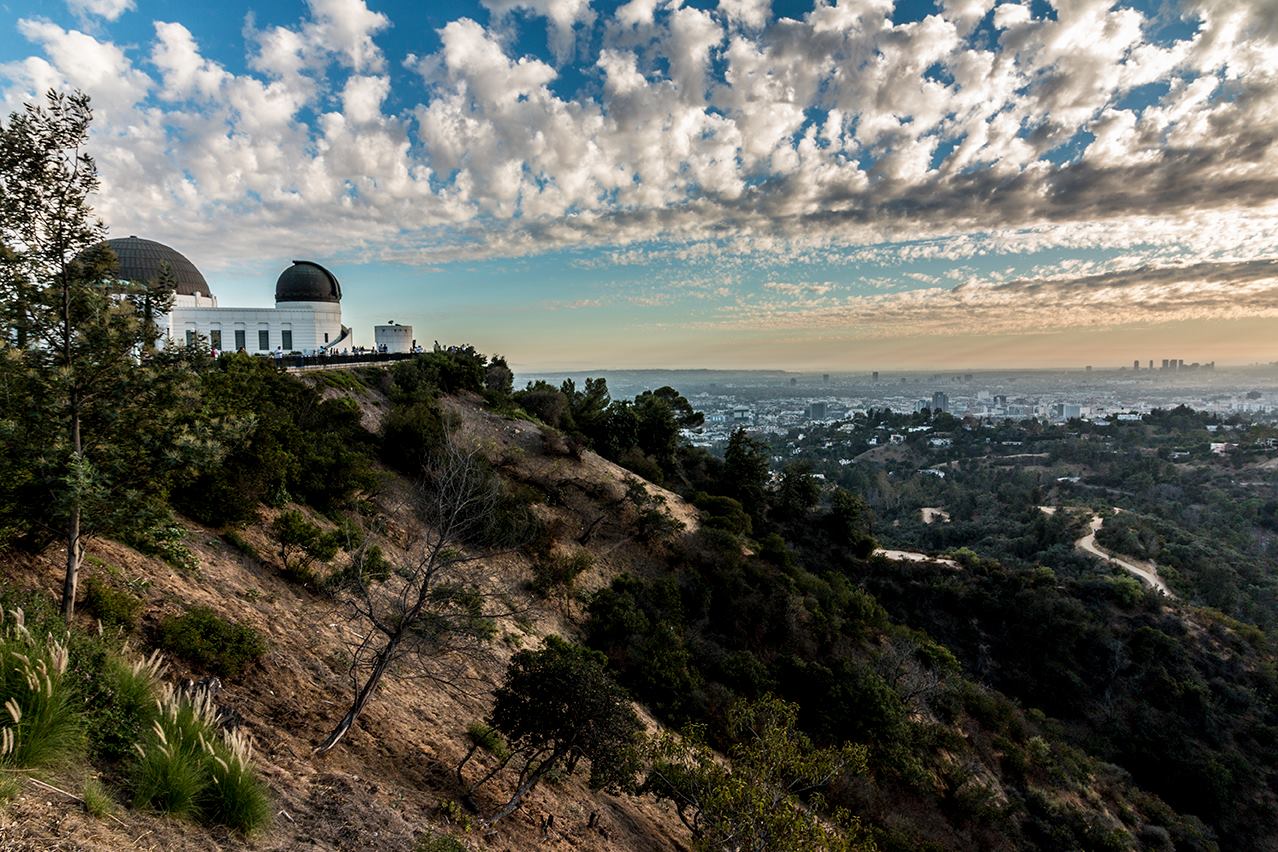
(297, 362)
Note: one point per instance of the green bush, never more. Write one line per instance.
(186, 767)
(119, 703)
(302, 543)
(205, 639)
(411, 433)
(235, 539)
(113, 607)
(369, 566)
(439, 843)
(556, 573)
(484, 737)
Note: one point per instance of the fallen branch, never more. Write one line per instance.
(47, 786)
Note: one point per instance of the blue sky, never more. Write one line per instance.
(727, 183)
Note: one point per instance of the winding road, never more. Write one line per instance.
(1146, 571)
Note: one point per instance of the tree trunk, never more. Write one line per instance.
(470, 791)
(461, 782)
(75, 550)
(365, 693)
(522, 790)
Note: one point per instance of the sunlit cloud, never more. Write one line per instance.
(722, 140)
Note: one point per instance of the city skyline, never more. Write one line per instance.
(732, 184)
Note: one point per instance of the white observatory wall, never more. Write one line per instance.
(308, 322)
(316, 323)
(397, 338)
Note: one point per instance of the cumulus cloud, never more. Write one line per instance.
(561, 15)
(107, 9)
(716, 132)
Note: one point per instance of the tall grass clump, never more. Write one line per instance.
(40, 722)
(188, 767)
(236, 797)
(120, 704)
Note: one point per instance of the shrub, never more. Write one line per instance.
(411, 433)
(205, 639)
(484, 737)
(367, 566)
(723, 513)
(119, 701)
(302, 543)
(439, 843)
(240, 543)
(153, 531)
(113, 607)
(557, 573)
(41, 726)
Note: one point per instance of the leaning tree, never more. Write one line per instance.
(426, 616)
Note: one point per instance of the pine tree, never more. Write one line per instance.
(101, 428)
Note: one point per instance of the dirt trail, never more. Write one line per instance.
(914, 556)
(1146, 571)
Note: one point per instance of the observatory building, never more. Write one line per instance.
(307, 316)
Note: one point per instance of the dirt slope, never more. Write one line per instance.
(383, 787)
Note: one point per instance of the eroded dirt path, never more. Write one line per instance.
(1146, 571)
(914, 556)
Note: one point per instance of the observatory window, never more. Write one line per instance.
(263, 339)
(190, 337)
(326, 337)
(240, 342)
(286, 339)
(215, 338)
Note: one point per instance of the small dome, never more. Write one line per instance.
(141, 261)
(306, 281)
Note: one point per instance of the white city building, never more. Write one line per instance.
(307, 316)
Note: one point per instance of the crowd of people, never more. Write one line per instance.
(278, 352)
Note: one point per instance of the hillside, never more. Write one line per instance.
(384, 787)
(973, 705)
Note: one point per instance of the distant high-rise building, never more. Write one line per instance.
(793, 381)
(940, 402)
(1165, 363)
(1089, 368)
(825, 377)
(817, 411)
(1136, 364)
(874, 376)
(1151, 363)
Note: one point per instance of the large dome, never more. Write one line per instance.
(141, 262)
(306, 281)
